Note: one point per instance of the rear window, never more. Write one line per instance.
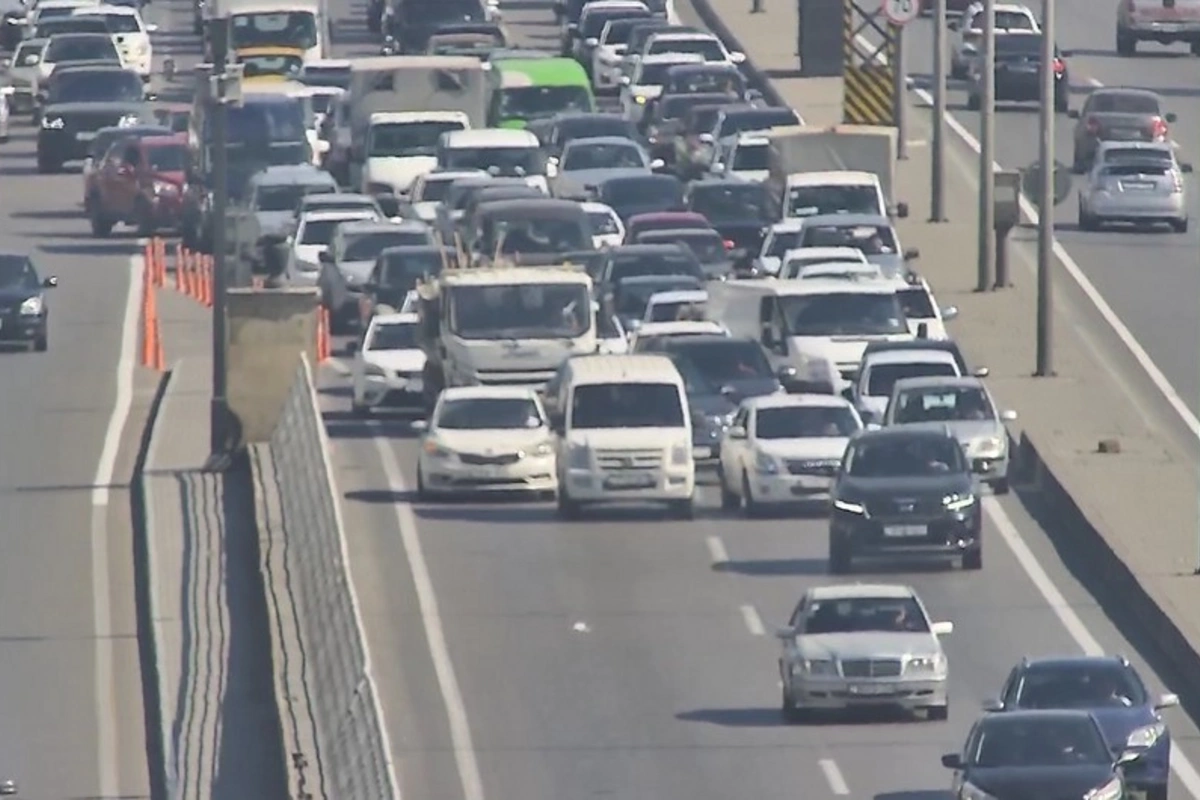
(626, 405)
(1131, 170)
(368, 246)
(1114, 103)
(884, 376)
(917, 303)
(759, 119)
(82, 49)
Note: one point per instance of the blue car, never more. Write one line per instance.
(1110, 688)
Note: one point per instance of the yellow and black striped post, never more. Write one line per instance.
(869, 85)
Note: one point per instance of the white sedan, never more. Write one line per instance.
(388, 366)
(313, 234)
(607, 228)
(784, 449)
(486, 439)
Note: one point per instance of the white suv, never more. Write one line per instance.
(130, 34)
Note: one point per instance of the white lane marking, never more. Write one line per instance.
(867, 46)
(1180, 765)
(435, 634)
(716, 550)
(833, 776)
(1093, 294)
(753, 621)
(106, 701)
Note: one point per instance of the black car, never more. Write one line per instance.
(1018, 73)
(24, 313)
(942, 345)
(736, 209)
(627, 298)
(630, 195)
(67, 129)
(905, 492)
(664, 118)
(586, 125)
(629, 260)
(719, 373)
(713, 252)
(408, 24)
(397, 270)
(1110, 688)
(1026, 754)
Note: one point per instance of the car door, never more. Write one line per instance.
(790, 644)
(733, 450)
(1012, 686)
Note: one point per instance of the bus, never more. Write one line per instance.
(301, 24)
(524, 90)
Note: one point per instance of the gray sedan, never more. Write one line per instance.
(857, 645)
(1140, 192)
(1117, 115)
(585, 163)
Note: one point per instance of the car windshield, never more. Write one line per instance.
(872, 240)
(781, 242)
(121, 23)
(603, 223)
(1007, 741)
(725, 361)
(1082, 685)
(602, 156)
(733, 201)
(809, 201)
(393, 336)
(707, 48)
(1110, 155)
(434, 190)
(750, 157)
(265, 29)
(654, 74)
(28, 55)
(1148, 170)
(676, 106)
(489, 413)
(715, 81)
(708, 247)
(335, 77)
(673, 310)
(98, 48)
(546, 235)
(758, 119)
(368, 246)
(401, 272)
(171, 158)
(843, 314)
(917, 303)
(1119, 103)
(626, 405)
(285, 198)
(943, 404)
(320, 231)
(653, 264)
(899, 456)
(606, 125)
(506, 160)
(647, 192)
(864, 615)
(57, 25)
(1019, 45)
(280, 123)
(592, 24)
(618, 30)
(1005, 21)
(258, 65)
(633, 296)
(402, 140)
(17, 272)
(882, 377)
(805, 422)
(100, 86)
(539, 102)
(520, 311)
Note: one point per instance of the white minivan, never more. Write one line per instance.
(624, 433)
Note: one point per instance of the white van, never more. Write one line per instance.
(812, 194)
(624, 433)
(277, 23)
(819, 327)
(501, 152)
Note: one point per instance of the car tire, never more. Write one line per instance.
(1157, 792)
(1195, 47)
(1126, 44)
(750, 507)
(840, 561)
(144, 218)
(1086, 221)
(938, 713)
(787, 709)
(46, 166)
(101, 225)
(359, 410)
(973, 102)
(730, 501)
(423, 493)
(42, 343)
(1000, 486)
(973, 559)
(1180, 225)
(1079, 164)
(567, 509)
(683, 509)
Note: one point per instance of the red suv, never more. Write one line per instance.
(140, 182)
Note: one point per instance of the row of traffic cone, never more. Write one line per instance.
(194, 275)
(152, 346)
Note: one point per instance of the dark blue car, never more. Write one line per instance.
(1110, 688)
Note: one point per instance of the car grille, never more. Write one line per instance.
(92, 121)
(477, 459)
(619, 460)
(871, 668)
(905, 506)
(825, 469)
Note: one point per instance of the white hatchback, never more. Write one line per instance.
(388, 365)
(130, 34)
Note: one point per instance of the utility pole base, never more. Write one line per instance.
(1045, 374)
(225, 437)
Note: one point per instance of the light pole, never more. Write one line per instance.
(1045, 260)
(987, 151)
(937, 172)
(221, 428)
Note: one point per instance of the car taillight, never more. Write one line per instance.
(1158, 129)
(1059, 66)
(1177, 183)
(1093, 126)
(729, 244)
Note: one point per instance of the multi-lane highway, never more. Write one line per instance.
(632, 656)
(1150, 280)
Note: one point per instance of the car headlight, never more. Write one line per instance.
(958, 502)
(970, 791)
(32, 307)
(52, 123)
(375, 370)
(817, 666)
(925, 664)
(579, 456)
(764, 464)
(1146, 736)
(542, 450)
(640, 99)
(162, 187)
(680, 455)
(128, 120)
(849, 507)
(1113, 790)
(435, 450)
(989, 447)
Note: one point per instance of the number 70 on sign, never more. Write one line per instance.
(901, 12)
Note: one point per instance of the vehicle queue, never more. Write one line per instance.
(614, 197)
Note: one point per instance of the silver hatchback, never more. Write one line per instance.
(1135, 191)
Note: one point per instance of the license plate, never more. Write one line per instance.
(1127, 133)
(1138, 186)
(629, 481)
(702, 452)
(870, 689)
(414, 385)
(1167, 27)
(905, 531)
(85, 136)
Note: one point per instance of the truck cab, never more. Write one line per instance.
(400, 147)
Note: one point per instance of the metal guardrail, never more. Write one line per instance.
(328, 700)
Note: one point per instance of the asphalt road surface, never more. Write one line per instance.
(1150, 279)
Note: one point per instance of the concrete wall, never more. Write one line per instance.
(268, 330)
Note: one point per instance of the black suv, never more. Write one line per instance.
(905, 492)
(1018, 72)
(24, 314)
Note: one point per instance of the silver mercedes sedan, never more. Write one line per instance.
(1138, 191)
(863, 645)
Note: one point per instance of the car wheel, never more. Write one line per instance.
(751, 507)
(840, 562)
(144, 218)
(1157, 792)
(683, 509)
(42, 343)
(730, 501)
(973, 558)
(938, 713)
(47, 166)
(1126, 44)
(423, 493)
(1086, 222)
(568, 509)
(1180, 225)
(1000, 486)
(101, 225)
(787, 709)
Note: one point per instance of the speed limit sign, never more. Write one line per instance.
(901, 12)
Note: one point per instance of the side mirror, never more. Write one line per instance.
(50, 282)
(729, 392)
(1167, 701)
(1008, 416)
(786, 632)
(626, 80)
(705, 138)
(352, 347)
(324, 257)
(657, 163)
(786, 374)
(923, 330)
(902, 210)
(420, 426)
(1186, 169)
(993, 705)
(949, 313)
(873, 426)
(1073, 113)
(151, 28)
(591, 41)
(737, 58)
(1129, 756)
(736, 432)
(1170, 117)
(982, 372)
(8, 787)
(717, 168)
(912, 254)
(151, 96)
(952, 761)
(941, 628)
